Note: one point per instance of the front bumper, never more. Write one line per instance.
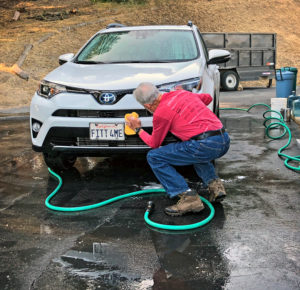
(76, 141)
(93, 151)
(66, 119)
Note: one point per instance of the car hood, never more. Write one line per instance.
(121, 76)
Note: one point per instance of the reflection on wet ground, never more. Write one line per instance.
(252, 243)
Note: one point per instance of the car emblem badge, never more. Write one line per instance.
(107, 98)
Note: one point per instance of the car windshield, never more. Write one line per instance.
(140, 46)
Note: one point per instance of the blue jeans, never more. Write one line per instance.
(198, 153)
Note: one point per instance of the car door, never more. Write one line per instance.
(210, 75)
(208, 72)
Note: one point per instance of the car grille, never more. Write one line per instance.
(129, 142)
(98, 113)
(96, 93)
(79, 137)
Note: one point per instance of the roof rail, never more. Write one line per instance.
(190, 23)
(112, 25)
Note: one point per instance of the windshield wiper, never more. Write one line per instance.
(89, 62)
(163, 61)
(128, 61)
(143, 61)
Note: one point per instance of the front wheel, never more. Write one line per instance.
(59, 161)
(216, 107)
(230, 80)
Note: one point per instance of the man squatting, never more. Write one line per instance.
(184, 114)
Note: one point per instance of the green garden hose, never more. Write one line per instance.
(140, 192)
(279, 123)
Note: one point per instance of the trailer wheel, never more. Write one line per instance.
(270, 83)
(230, 80)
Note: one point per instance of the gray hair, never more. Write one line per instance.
(146, 93)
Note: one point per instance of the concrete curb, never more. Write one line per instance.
(18, 110)
(14, 118)
(15, 114)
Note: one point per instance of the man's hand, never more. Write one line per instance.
(133, 123)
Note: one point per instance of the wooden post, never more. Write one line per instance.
(16, 16)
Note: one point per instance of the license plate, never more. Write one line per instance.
(106, 131)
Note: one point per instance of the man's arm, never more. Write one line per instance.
(160, 129)
(205, 98)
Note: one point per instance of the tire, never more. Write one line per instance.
(218, 111)
(58, 161)
(216, 107)
(269, 83)
(230, 80)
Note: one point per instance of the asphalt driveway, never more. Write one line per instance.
(252, 243)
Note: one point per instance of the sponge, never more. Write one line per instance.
(129, 131)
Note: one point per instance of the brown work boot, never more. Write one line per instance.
(189, 202)
(216, 190)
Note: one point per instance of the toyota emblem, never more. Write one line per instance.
(107, 98)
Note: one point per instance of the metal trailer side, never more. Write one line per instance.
(253, 56)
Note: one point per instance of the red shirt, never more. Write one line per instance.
(182, 113)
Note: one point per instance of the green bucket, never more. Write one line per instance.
(294, 71)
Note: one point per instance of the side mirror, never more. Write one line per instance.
(218, 56)
(65, 58)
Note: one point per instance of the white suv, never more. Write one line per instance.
(80, 106)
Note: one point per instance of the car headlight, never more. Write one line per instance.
(49, 90)
(187, 85)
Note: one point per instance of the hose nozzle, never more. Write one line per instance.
(150, 206)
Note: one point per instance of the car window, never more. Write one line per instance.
(140, 46)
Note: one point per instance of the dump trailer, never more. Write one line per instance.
(253, 56)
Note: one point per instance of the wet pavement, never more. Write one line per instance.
(252, 243)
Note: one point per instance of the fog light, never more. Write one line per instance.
(36, 127)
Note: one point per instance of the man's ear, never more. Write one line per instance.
(147, 106)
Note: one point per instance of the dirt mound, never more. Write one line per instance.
(55, 27)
